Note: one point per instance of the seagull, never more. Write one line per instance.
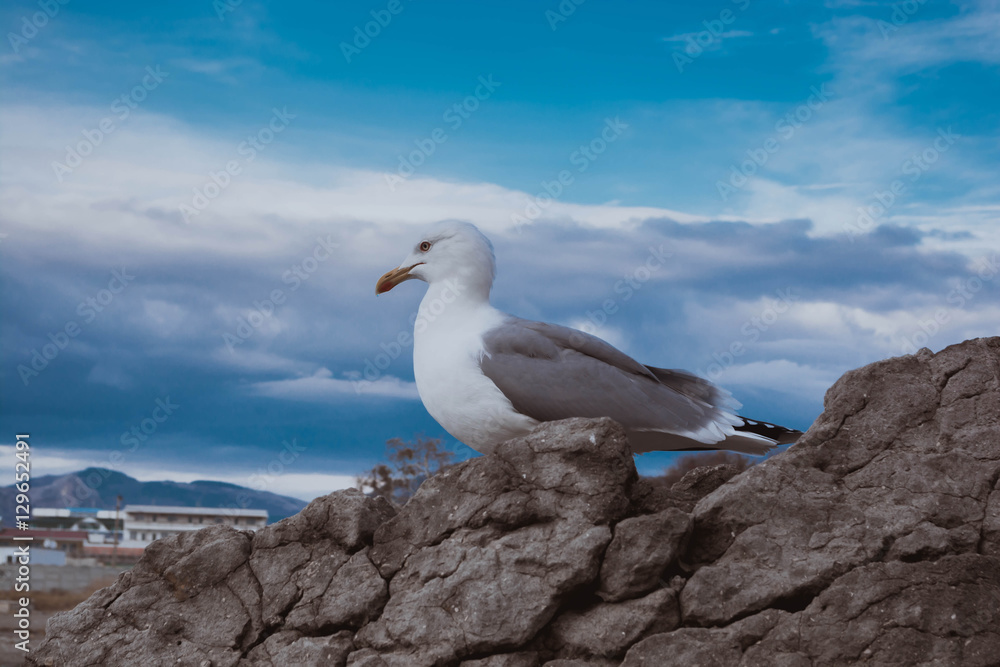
(487, 376)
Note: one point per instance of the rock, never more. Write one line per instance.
(218, 594)
(483, 554)
(291, 648)
(481, 591)
(608, 630)
(874, 539)
(907, 451)
(704, 646)
(642, 549)
(945, 612)
(991, 523)
(523, 659)
(362, 593)
(563, 470)
(702, 481)
(652, 496)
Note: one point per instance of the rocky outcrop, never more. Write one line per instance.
(875, 539)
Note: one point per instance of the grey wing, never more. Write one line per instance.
(694, 387)
(550, 372)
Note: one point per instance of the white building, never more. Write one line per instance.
(143, 524)
(77, 518)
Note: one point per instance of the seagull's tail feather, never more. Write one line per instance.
(661, 441)
(752, 437)
(735, 432)
(778, 434)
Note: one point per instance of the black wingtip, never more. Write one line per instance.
(780, 434)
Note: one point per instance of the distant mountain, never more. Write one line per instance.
(97, 487)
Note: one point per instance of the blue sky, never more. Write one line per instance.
(822, 177)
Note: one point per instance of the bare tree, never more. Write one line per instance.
(409, 464)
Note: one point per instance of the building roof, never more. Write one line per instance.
(212, 511)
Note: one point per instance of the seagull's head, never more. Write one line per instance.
(449, 250)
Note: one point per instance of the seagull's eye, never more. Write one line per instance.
(425, 246)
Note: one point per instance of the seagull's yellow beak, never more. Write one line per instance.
(393, 278)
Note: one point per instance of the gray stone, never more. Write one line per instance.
(348, 519)
(212, 595)
(291, 648)
(576, 469)
(642, 549)
(702, 481)
(945, 612)
(991, 523)
(521, 659)
(895, 457)
(478, 591)
(607, 630)
(354, 595)
(715, 647)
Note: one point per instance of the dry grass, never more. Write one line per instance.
(53, 601)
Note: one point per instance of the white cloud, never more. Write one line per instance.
(128, 192)
(53, 462)
(248, 359)
(322, 387)
(806, 383)
(225, 70)
(686, 36)
(113, 377)
(904, 41)
(858, 143)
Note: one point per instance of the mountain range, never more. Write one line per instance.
(98, 488)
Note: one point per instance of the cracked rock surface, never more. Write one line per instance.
(875, 539)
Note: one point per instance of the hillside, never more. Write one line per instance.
(98, 487)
